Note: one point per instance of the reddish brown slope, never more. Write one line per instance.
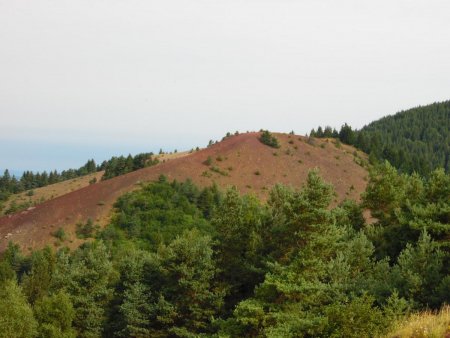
(249, 165)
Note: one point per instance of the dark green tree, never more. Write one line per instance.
(86, 277)
(268, 139)
(239, 223)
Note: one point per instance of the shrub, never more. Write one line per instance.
(30, 193)
(257, 173)
(85, 230)
(359, 161)
(268, 139)
(311, 141)
(358, 318)
(206, 174)
(14, 207)
(93, 181)
(4, 195)
(219, 171)
(60, 234)
(208, 161)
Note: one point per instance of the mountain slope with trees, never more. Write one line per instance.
(240, 160)
(415, 140)
(113, 167)
(178, 260)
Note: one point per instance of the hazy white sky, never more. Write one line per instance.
(90, 78)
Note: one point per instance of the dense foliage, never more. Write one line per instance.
(416, 140)
(179, 261)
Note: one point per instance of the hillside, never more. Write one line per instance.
(240, 160)
(417, 139)
(414, 140)
(32, 197)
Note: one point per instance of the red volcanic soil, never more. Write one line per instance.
(239, 160)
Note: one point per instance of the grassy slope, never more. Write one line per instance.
(52, 191)
(425, 324)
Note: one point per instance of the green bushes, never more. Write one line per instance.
(86, 230)
(160, 211)
(60, 234)
(208, 161)
(14, 207)
(218, 171)
(268, 139)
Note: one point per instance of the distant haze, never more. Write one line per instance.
(92, 78)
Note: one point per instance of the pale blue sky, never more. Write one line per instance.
(93, 78)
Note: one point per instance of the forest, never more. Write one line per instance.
(415, 140)
(180, 261)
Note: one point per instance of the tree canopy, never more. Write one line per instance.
(180, 261)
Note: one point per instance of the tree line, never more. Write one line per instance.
(180, 261)
(121, 165)
(113, 167)
(416, 140)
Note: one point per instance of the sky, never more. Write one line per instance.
(95, 78)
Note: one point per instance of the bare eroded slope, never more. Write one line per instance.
(239, 160)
